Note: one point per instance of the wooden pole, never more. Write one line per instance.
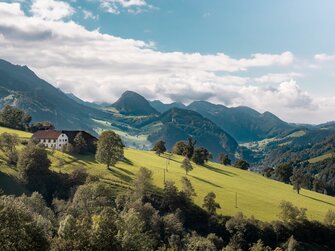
(164, 177)
(235, 199)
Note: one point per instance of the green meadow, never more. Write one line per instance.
(236, 190)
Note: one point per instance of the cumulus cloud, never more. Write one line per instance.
(99, 67)
(51, 9)
(133, 6)
(324, 57)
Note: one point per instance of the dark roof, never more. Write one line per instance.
(72, 134)
(47, 134)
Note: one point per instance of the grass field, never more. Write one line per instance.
(21, 134)
(256, 196)
(321, 158)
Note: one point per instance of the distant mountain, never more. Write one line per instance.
(20, 87)
(180, 124)
(80, 101)
(243, 123)
(161, 107)
(132, 103)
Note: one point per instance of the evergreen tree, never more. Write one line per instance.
(190, 147)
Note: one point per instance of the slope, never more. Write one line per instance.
(20, 87)
(180, 124)
(131, 103)
(256, 195)
(243, 123)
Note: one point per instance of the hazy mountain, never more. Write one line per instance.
(180, 124)
(243, 123)
(20, 87)
(132, 103)
(161, 107)
(82, 102)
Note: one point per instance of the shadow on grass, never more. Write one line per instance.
(11, 185)
(206, 181)
(218, 170)
(127, 161)
(125, 171)
(169, 158)
(120, 174)
(322, 201)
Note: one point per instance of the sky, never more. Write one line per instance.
(276, 56)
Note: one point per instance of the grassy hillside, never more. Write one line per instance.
(256, 195)
(321, 158)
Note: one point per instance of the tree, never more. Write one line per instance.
(259, 246)
(291, 213)
(142, 182)
(33, 165)
(297, 179)
(80, 144)
(18, 228)
(201, 156)
(188, 189)
(210, 204)
(190, 147)
(8, 144)
(14, 118)
(284, 172)
(242, 164)
(330, 218)
(159, 147)
(224, 159)
(180, 148)
(186, 164)
(109, 149)
(33, 159)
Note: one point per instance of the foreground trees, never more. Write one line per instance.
(8, 143)
(12, 117)
(109, 148)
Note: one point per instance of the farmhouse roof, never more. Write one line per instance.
(47, 134)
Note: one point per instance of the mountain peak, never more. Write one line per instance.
(132, 103)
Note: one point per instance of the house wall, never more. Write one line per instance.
(56, 143)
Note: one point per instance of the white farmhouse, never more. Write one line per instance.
(51, 138)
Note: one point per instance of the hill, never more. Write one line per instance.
(180, 124)
(131, 103)
(243, 123)
(162, 107)
(22, 88)
(259, 200)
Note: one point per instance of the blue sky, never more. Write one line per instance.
(270, 55)
(235, 27)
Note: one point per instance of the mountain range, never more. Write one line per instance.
(140, 121)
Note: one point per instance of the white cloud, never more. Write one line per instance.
(324, 57)
(132, 6)
(277, 78)
(89, 15)
(99, 67)
(51, 9)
